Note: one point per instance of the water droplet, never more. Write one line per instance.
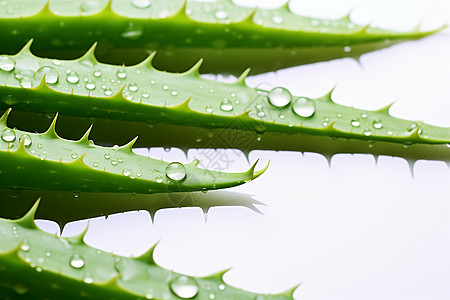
(221, 15)
(260, 114)
(364, 115)
(107, 156)
(280, 97)
(413, 127)
(377, 124)
(20, 289)
(7, 63)
(74, 155)
(121, 73)
(141, 3)
(48, 253)
(25, 246)
(158, 179)
(132, 87)
(43, 155)
(367, 132)
(26, 139)
(56, 62)
(174, 92)
(208, 108)
(304, 107)
(90, 85)
(282, 117)
(76, 261)
(222, 287)
(126, 172)
(165, 87)
(277, 20)
(347, 49)
(51, 75)
(212, 296)
(132, 32)
(226, 105)
(176, 171)
(90, 6)
(95, 164)
(114, 162)
(120, 159)
(76, 195)
(72, 77)
(355, 123)
(88, 278)
(184, 287)
(8, 135)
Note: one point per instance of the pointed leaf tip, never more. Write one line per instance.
(90, 55)
(147, 257)
(51, 131)
(194, 70)
(260, 172)
(79, 238)
(26, 49)
(4, 117)
(28, 219)
(241, 79)
(130, 144)
(85, 137)
(148, 62)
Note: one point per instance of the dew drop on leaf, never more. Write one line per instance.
(377, 124)
(51, 75)
(280, 97)
(184, 287)
(7, 63)
(226, 105)
(76, 261)
(121, 73)
(304, 107)
(26, 139)
(176, 171)
(8, 135)
(141, 3)
(72, 77)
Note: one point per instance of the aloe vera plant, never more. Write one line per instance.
(43, 266)
(143, 95)
(93, 168)
(229, 36)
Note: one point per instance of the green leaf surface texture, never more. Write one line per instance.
(39, 265)
(229, 36)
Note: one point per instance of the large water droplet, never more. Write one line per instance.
(221, 287)
(7, 63)
(97, 73)
(51, 75)
(221, 15)
(226, 105)
(121, 73)
(184, 287)
(377, 124)
(108, 92)
(355, 123)
(280, 97)
(158, 179)
(126, 172)
(277, 20)
(90, 85)
(26, 139)
(72, 77)
(132, 87)
(304, 107)
(90, 6)
(367, 132)
(176, 171)
(8, 135)
(25, 246)
(141, 3)
(76, 261)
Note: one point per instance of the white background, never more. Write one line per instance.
(355, 231)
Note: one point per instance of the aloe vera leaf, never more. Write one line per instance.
(65, 29)
(38, 265)
(47, 162)
(64, 207)
(85, 88)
